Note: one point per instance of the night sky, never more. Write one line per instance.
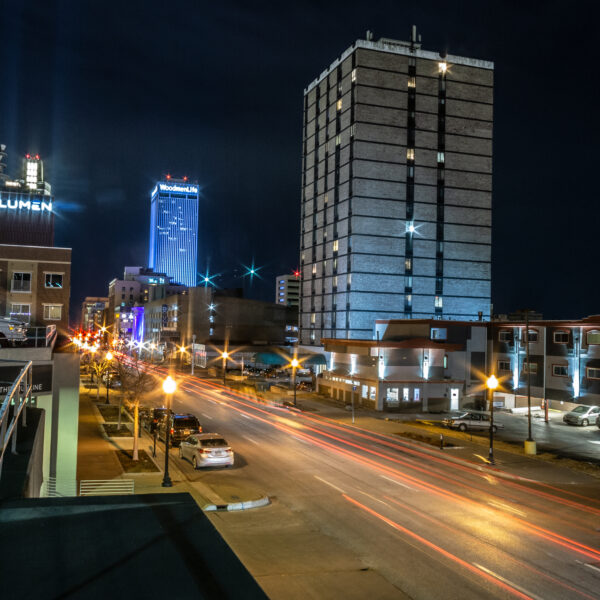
(113, 95)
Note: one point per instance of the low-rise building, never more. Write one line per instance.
(287, 290)
(428, 364)
(35, 283)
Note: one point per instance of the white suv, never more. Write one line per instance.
(11, 331)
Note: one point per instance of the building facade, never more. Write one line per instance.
(430, 364)
(396, 189)
(174, 230)
(35, 284)
(287, 290)
(93, 312)
(26, 204)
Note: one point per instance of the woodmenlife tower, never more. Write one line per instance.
(396, 189)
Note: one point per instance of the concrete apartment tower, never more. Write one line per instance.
(396, 189)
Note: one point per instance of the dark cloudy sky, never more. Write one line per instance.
(115, 94)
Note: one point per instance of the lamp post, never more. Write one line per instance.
(224, 356)
(491, 384)
(109, 357)
(294, 364)
(169, 387)
(193, 352)
(529, 442)
(353, 390)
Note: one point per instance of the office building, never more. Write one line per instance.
(174, 230)
(92, 313)
(396, 189)
(287, 290)
(26, 211)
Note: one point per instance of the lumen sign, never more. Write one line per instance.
(30, 205)
(173, 187)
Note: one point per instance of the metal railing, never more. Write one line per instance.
(106, 487)
(17, 397)
(58, 488)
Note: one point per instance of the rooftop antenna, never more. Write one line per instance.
(413, 37)
(369, 35)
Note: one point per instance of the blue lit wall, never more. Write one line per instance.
(174, 231)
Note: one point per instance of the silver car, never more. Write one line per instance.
(206, 450)
(473, 421)
(582, 415)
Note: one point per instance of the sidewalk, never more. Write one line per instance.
(97, 460)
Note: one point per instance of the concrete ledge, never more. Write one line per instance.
(264, 501)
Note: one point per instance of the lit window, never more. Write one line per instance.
(438, 333)
(313, 318)
(21, 282)
(326, 198)
(530, 368)
(21, 312)
(504, 366)
(412, 82)
(410, 154)
(408, 298)
(314, 269)
(445, 361)
(561, 337)
(53, 280)
(282, 287)
(560, 370)
(353, 76)
(335, 245)
(593, 337)
(282, 293)
(52, 312)
(438, 302)
(408, 264)
(440, 157)
(338, 140)
(352, 130)
(339, 104)
(410, 227)
(443, 66)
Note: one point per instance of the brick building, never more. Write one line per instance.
(35, 284)
(396, 189)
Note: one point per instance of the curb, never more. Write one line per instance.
(264, 501)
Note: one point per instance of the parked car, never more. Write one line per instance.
(583, 415)
(182, 426)
(473, 421)
(206, 450)
(11, 331)
(151, 417)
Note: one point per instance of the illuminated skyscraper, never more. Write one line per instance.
(174, 230)
(396, 189)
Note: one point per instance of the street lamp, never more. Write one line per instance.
(491, 384)
(169, 387)
(109, 357)
(295, 363)
(224, 356)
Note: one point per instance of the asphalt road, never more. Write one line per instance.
(430, 527)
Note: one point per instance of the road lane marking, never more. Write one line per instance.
(246, 416)
(399, 483)
(330, 484)
(507, 582)
(250, 439)
(506, 507)
(592, 567)
(300, 439)
(373, 498)
(206, 416)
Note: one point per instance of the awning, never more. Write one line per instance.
(313, 359)
(269, 358)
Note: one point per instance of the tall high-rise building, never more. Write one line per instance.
(26, 215)
(174, 230)
(396, 189)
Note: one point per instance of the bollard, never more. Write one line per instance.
(441, 441)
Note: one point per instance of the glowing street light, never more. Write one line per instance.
(491, 384)
(169, 386)
(224, 356)
(294, 363)
(109, 357)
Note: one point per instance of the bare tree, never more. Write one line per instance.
(99, 367)
(135, 383)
